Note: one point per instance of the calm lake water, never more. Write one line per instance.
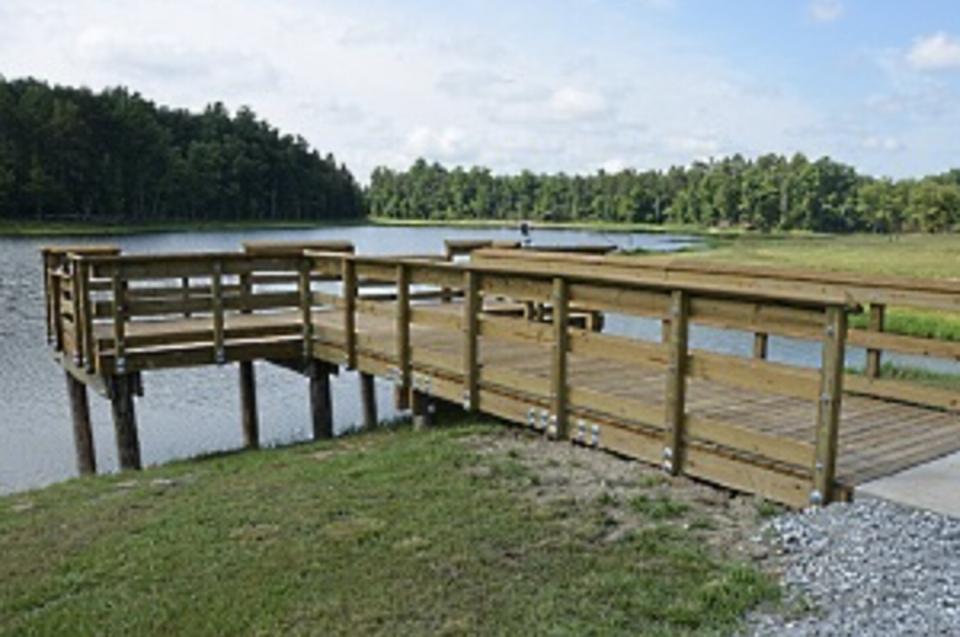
(186, 412)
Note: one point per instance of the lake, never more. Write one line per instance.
(189, 412)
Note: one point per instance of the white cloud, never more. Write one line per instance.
(879, 143)
(936, 52)
(447, 143)
(826, 10)
(570, 103)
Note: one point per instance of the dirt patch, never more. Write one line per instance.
(567, 479)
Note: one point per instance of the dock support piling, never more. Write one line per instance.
(422, 410)
(321, 402)
(368, 401)
(82, 431)
(248, 405)
(125, 422)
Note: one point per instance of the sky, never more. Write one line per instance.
(550, 86)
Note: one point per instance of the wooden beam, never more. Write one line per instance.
(350, 311)
(82, 431)
(561, 345)
(676, 383)
(761, 345)
(403, 337)
(125, 422)
(876, 320)
(471, 347)
(248, 406)
(368, 401)
(321, 400)
(829, 405)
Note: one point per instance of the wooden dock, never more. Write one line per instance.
(517, 334)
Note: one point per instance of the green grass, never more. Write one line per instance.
(394, 533)
(924, 256)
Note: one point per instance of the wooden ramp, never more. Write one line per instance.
(520, 343)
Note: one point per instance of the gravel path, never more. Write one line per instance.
(864, 569)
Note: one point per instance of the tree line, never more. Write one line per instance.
(771, 192)
(116, 157)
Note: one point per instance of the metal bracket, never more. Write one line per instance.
(816, 498)
(595, 436)
(581, 432)
(552, 428)
(531, 418)
(466, 400)
(121, 365)
(220, 357)
(544, 419)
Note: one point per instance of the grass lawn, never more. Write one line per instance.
(923, 256)
(469, 530)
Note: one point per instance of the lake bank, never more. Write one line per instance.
(473, 529)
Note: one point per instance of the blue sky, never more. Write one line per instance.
(566, 85)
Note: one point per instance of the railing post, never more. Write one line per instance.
(761, 345)
(216, 301)
(54, 307)
(306, 306)
(79, 331)
(561, 343)
(404, 363)
(119, 316)
(877, 317)
(676, 382)
(368, 401)
(350, 311)
(90, 345)
(829, 406)
(471, 350)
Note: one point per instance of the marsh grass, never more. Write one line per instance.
(392, 533)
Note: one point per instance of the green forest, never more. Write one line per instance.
(115, 157)
(69, 154)
(769, 193)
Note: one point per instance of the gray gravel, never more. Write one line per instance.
(869, 568)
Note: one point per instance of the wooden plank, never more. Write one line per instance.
(515, 330)
(829, 406)
(561, 345)
(787, 488)
(902, 392)
(676, 383)
(441, 275)
(617, 348)
(516, 287)
(754, 374)
(198, 355)
(757, 316)
(627, 410)
(933, 348)
(518, 382)
(738, 438)
(428, 315)
(621, 300)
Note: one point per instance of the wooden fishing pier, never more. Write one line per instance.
(519, 334)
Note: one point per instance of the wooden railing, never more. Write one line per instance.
(876, 294)
(395, 318)
(785, 469)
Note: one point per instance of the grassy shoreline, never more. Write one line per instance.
(458, 531)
